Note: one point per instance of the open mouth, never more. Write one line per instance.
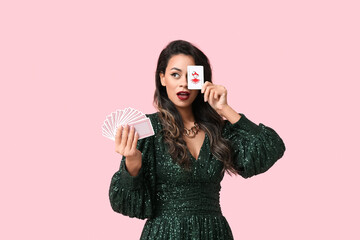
(183, 95)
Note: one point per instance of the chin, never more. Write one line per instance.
(182, 104)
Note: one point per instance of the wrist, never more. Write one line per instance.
(133, 164)
(134, 158)
(229, 113)
(222, 111)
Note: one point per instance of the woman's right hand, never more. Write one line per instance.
(125, 143)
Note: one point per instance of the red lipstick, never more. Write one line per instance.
(183, 95)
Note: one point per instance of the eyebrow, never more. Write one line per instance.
(176, 69)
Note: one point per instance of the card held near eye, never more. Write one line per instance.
(195, 76)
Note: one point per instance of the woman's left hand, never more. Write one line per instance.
(216, 95)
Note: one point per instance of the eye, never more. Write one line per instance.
(175, 75)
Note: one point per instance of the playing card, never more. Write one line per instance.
(195, 76)
(135, 115)
(129, 116)
(143, 128)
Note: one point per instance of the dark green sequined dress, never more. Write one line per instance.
(185, 205)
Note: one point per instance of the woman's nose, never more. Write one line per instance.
(183, 81)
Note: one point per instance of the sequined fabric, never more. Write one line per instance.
(185, 205)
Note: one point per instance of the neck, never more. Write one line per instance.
(186, 115)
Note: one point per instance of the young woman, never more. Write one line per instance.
(173, 178)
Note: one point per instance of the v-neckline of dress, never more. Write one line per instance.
(201, 149)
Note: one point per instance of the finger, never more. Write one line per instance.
(212, 95)
(130, 138)
(206, 84)
(124, 136)
(134, 143)
(118, 136)
(207, 91)
(216, 96)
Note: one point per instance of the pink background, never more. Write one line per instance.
(65, 65)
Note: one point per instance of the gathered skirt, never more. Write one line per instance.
(187, 227)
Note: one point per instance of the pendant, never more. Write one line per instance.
(194, 130)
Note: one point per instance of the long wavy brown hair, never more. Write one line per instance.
(207, 118)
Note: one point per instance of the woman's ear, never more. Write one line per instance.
(162, 79)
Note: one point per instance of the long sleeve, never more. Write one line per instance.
(133, 196)
(255, 147)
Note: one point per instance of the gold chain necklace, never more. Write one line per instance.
(194, 130)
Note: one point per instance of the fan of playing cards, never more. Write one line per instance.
(129, 116)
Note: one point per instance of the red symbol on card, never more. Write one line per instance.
(195, 79)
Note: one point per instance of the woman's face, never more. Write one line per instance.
(175, 81)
